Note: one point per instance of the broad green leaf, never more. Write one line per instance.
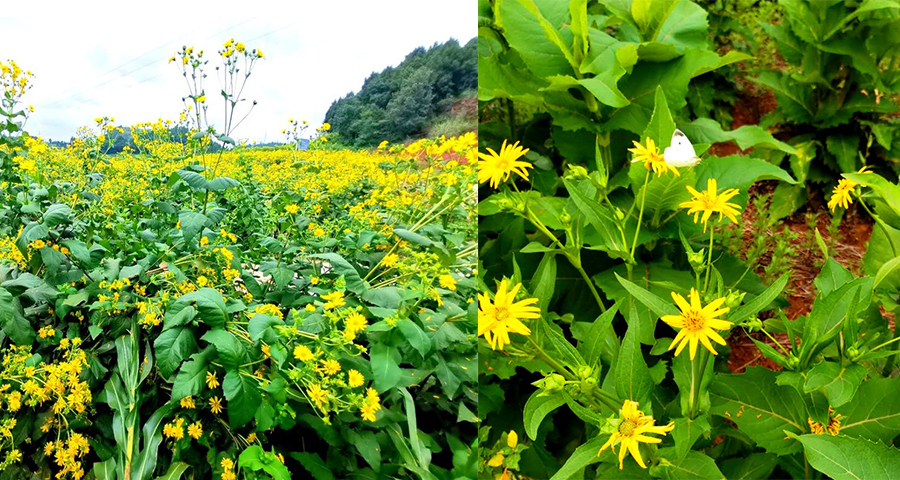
(661, 125)
(57, 214)
(314, 465)
(707, 130)
(385, 366)
(583, 456)
(874, 413)
(13, 321)
(845, 458)
(760, 302)
(591, 344)
(888, 191)
(684, 26)
(543, 283)
(191, 377)
(844, 148)
(191, 224)
(656, 304)
(832, 276)
(694, 465)
(243, 397)
(598, 215)
(341, 266)
(172, 347)
(839, 383)
(537, 408)
(829, 311)
(751, 467)
(760, 408)
(795, 100)
(632, 374)
(254, 458)
(262, 327)
(527, 26)
(209, 303)
(219, 184)
(886, 269)
(736, 171)
(415, 335)
(687, 431)
(175, 471)
(231, 351)
(884, 245)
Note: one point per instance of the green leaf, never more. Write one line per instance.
(243, 398)
(527, 26)
(886, 269)
(543, 283)
(415, 335)
(592, 343)
(254, 458)
(597, 215)
(761, 301)
(230, 349)
(341, 266)
(13, 320)
(661, 125)
(751, 467)
(687, 431)
(314, 465)
(175, 471)
(694, 465)
(537, 408)
(736, 171)
(422, 457)
(192, 376)
(191, 224)
(844, 148)
(707, 130)
(633, 379)
(845, 458)
(829, 311)
(219, 184)
(583, 456)
(656, 304)
(839, 383)
(684, 27)
(57, 214)
(888, 191)
(874, 414)
(386, 372)
(172, 347)
(766, 410)
(210, 304)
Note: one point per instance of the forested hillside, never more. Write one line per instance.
(404, 101)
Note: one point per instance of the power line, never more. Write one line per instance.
(68, 96)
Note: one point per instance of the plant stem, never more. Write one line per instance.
(637, 229)
(709, 262)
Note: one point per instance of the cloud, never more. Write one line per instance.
(97, 64)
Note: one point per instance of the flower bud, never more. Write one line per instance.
(565, 218)
(698, 260)
(576, 172)
(620, 215)
(553, 383)
(585, 372)
(734, 299)
(853, 353)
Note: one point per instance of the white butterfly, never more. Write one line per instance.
(680, 153)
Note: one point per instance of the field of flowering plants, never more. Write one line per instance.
(689, 239)
(184, 311)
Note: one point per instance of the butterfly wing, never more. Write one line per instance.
(680, 153)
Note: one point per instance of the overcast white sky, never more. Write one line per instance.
(315, 53)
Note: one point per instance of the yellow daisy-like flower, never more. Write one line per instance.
(709, 202)
(841, 193)
(215, 404)
(303, 353)
(697, 323)
(497, 168)
(195, 430)
(211, 380)
(355, 379)
(633, 425)
(651, 157)
(833, 427)
(497, 319)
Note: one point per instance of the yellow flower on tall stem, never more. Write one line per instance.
(497, 168)
(496, 320)
(633, 425)
(840, 196)
(651, 157)
(696, 323)
(710, 201)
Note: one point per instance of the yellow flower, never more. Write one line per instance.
(633, 424)
(201, 99)
(710, 202)
(696, 323)
(833, 427)
(330, 367)
(448, 282)
(649, 154)
(326, 126)
(497, 168)
(512, 439)
(292, 208)
(188, 402)
(390, 260)
(841, 193)
(215, 404)
(497, 319)
(303, 353)
(354, 324)
(211, 380)
(355, 379)
(318, 395)
(195, 430)
(227, 465)
(334, 300)
(496, 460)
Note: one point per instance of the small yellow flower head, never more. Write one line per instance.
(390, 260)
(697, 323)
(355, 379)
(633, 425)
(326, 126)
(303, 353)
(331, 367)
(448, 282)
(496, 320)
(709, 202)
(497, 168)
(840, 196)
(215, 404)
(512, 439)
(292, 208)
(649, 154)
(496, 460)
(195, 430)
(211, 380)
(188, 402)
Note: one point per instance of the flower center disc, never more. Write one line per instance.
(626, 428)
(502, 313)
(503, 164)
(693, 321)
